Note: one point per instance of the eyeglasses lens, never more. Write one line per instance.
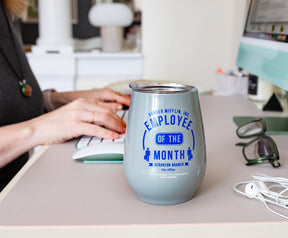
(250, 129)
(259, 148)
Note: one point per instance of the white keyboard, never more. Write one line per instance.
(92, 149)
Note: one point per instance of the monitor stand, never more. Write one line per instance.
(275, 125)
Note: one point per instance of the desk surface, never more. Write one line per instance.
(57, 191)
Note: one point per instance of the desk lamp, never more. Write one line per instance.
(111, 18)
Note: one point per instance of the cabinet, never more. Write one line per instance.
(80, 71)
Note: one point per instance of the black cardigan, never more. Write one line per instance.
(14, 107)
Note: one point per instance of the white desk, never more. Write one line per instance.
(60, 197)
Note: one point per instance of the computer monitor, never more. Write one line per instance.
(263, 51)
(263, 48)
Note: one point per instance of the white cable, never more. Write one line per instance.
(276, 213)
(263, 199)
(239, 191)
(265, 178)
(263, 194)
(278, 182)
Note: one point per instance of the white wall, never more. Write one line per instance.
(186, 40)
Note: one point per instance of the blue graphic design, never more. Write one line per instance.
(164, 151)
(169, 138)
(143, 141)
(193, 139)
(189, 154)
(147, 154)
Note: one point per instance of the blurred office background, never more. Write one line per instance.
(183, 41)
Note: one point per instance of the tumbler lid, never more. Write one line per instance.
(160, 88)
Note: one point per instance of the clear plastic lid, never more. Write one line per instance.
(160, 88)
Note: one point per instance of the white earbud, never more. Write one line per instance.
(261, 186)
(259, 190)
(265, 190)
(252, 191)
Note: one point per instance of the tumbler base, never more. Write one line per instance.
(158, 201)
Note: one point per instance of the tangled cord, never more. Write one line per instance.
(263, 188)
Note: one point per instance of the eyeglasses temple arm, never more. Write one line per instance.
(241, 144)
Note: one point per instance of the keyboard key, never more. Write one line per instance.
(121, 138)
(120, 113)
(95, 140)
(83, 142)
(107, 140)
(125, 116)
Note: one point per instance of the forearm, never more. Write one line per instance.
(15, 140)
(81, 117)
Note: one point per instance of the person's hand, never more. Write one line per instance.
(108, 97)
(80, 117)
(104, 97)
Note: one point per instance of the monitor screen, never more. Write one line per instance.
(263, 49)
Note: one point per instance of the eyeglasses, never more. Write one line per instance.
(262, 148)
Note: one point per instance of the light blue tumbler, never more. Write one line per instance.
(165, 152)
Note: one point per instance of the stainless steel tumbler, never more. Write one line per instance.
(165, 152)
